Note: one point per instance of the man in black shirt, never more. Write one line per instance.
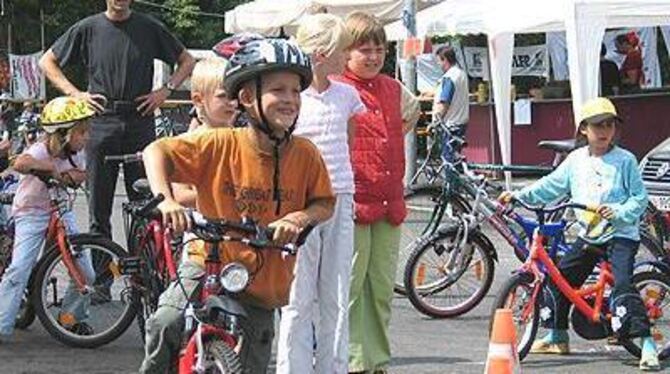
(610, 81)
(117, 48)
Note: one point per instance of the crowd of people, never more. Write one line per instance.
(313, 126)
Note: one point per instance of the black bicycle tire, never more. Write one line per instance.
(26, 315)
(52, 255)
(630, 345)
(418, 303)
(226, 355)
(500, 302)
(432, 190)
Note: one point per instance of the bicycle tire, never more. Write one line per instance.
(524, 341)
(224, 358)
(26, 315)
(42, 280)
(483, 267)
(414, 224)
(654, 223)
(661, 279)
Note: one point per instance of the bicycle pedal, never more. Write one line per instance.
(130, 265)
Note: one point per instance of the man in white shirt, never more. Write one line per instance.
(451, 104)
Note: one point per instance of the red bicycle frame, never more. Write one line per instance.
(538, 255)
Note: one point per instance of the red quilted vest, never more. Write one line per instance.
(378, 155)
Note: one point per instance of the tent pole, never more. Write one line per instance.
(409, 79)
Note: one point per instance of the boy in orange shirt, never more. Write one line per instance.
(259, 171)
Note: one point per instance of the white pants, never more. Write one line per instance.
(322, 274)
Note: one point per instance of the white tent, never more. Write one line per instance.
(267, 17)
(584, 21)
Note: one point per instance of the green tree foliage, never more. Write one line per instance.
(184, 18)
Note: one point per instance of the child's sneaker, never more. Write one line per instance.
(556, 342)
(649, 359)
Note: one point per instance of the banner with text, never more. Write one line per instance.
(527, 61)
(27, 78)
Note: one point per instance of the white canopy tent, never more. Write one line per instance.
(584, 21)
(267, 17)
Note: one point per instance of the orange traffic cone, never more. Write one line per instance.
(502, 357)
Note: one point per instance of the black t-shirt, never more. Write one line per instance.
(118, 56)
(609, 77)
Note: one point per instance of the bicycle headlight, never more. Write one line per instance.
(234, 277)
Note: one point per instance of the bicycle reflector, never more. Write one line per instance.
(234, 277)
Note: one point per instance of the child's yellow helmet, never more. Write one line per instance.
(63, 113)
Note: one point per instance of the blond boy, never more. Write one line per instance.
(214, 109)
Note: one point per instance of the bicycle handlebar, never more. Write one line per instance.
(125, 159)
(213, 229)
(546, 210)
(217, 229)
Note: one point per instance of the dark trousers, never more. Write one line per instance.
(113, 134)
(578, 264)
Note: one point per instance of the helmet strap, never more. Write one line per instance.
(264, 126)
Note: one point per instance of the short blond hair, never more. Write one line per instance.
(365, 28)
(323, 33)
(208, 75)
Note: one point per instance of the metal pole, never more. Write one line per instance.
(42, 38)
(409, 79)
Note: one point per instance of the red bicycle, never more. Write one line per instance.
(153, 251)
(590, 315)
(216, 323)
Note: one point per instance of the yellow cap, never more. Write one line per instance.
(64, 112)
(598, 110)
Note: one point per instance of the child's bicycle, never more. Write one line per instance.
(451, 265)
(590, 314)
(61, 284)
(215, 322)
(153, 252)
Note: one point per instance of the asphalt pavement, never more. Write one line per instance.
(419, 344)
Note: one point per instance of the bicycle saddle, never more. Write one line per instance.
(560, 146)
(141, 186)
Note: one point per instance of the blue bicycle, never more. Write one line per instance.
(451, 266)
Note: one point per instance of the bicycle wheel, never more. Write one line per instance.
(68, 314)
(151, 284)
(654, 223)
(444, 279)
(420, 201)
(516, 294)
(221, 358)
(654, 288)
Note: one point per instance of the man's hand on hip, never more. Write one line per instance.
(95, 101)
(149, 102)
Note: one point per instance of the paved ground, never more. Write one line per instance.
(420, 345)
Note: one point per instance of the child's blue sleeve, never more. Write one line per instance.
(549, 188)
(631, 210)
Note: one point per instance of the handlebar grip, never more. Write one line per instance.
(128, 158)
(302, 237)
(304, 234)
(150, 205)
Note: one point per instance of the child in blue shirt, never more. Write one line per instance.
(598, 174)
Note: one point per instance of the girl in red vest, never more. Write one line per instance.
(378, 160)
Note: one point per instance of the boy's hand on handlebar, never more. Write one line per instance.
(605, 212)
(175, 215)
(505, 197)
(286, 231)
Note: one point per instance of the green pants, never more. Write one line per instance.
(166, 325)
(373, 276)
